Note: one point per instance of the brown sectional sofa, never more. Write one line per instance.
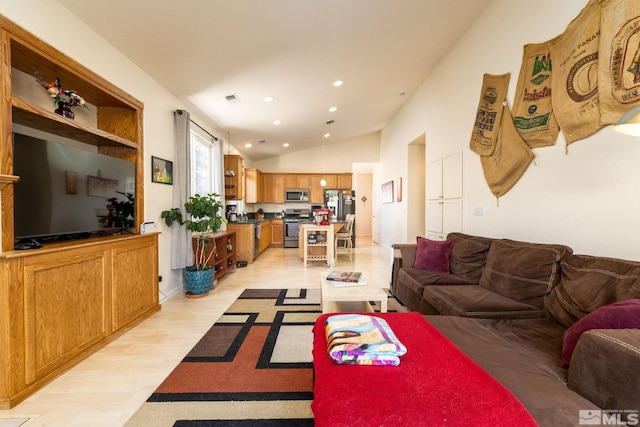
(510, 306)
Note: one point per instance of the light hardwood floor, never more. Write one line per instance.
(110, 385)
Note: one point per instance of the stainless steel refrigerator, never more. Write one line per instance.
(341, 203)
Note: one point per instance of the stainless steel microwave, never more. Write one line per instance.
(296, 195)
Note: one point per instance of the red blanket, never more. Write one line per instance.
(435, 384)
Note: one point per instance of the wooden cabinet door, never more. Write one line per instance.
(316, 195)
(135, 279)
(267, 188)
(291, 181)
(278, 188)
(251, 185)
(277, 232)
(304, 181)
(66, 308)
(332, 181)
(345, 181)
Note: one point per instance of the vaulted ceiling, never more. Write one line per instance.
(208, 51)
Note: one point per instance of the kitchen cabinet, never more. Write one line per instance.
(265, 236)
(345, 181)
(273, 186)
(245, 240)
(233, 177)
(262, 187)
(291, 181)
(278, 188)
(267, 189)
(277, 232)
(303, 181)
(253, 185)
(444, 196)
(316, 191)
(332, 181)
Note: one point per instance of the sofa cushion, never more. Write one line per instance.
(433, 255)
(588, 282)
(476, 301)
(524, 271)
(468, 255)
(416, 280)
(604, 369)
(619, 315)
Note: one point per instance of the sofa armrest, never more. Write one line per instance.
(404, 254)
(604, 368)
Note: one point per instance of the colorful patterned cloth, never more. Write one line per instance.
(356, 339)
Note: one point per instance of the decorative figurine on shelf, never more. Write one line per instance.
(63, 99)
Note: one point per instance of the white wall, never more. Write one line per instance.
(588, 199)
(43, 18)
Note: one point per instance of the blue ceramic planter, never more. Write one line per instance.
(198, 282)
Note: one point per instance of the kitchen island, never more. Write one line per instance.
(316, 243)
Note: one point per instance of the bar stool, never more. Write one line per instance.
(345, 236)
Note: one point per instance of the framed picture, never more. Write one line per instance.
(161, 171)
(387, 192)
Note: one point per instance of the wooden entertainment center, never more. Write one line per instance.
(60, 303)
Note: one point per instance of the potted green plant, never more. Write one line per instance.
(202, 216)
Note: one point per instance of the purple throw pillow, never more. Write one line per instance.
(619, 315)
(433, 255)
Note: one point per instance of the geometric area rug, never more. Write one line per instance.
(252, 368)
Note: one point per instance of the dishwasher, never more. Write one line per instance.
(257, 233)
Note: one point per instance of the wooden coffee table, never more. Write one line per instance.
(351, 298)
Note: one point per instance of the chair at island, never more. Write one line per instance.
(345, 237)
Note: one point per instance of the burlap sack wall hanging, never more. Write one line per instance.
(619, 65)
(489, 114)
(532, 108)
(575, 75)
(510, 156)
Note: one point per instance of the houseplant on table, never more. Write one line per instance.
(202, 216)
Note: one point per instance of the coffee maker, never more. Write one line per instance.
(232, 215)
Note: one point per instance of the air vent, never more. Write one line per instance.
(232, 99)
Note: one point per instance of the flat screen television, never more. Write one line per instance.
(64, 190)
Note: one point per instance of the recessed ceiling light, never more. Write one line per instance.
(247, 145)
(286, 144)
(332, 109)
(327, 135)
(338, 83)
(268, 98)
(276, 122)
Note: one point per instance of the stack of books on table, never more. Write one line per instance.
(346, 278)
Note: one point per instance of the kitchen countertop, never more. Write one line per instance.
(255, 221)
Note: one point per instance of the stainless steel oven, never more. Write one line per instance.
(292, 220)
(291, 233)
